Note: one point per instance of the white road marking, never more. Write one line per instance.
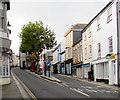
(80, 92)
(25, 87)
(94, 91)
(65, 84)
(22, 91)
(100, 91)
(88, 90)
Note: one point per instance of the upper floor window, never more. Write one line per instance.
(110, 44)
(1, 6)
(90, 51)
(99, 50)
(1, 16)
(89, 31)
(85, 37)
(98, 24)
(85, 56)
(109, 14)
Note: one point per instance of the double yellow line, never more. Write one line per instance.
(25, 87)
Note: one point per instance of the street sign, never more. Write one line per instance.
(49, 63)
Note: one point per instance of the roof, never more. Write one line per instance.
(76, 27)
(111, 2)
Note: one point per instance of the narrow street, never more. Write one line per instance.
(69, 89)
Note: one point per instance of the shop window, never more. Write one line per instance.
(3, 71)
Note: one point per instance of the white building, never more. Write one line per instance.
(4, 43)
(22, 60)
(62, 54)
(15, 59)
(104, 43)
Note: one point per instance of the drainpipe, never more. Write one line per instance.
(118, 42)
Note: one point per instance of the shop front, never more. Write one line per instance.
(86, 68)
(105, 71)
(4, 69)
(68, 66)
(77, 69)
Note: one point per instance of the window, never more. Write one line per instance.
(85, 56)
(0, 71)
(89, 30)
(1, 16)
(85, 37)
(109, 15)
(98, 24)
(110, 44)
(90, 51)
(99, 50)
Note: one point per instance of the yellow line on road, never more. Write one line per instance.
(26, 88)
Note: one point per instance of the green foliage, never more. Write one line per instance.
(36, 36)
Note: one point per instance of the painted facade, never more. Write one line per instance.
(87, 50)
(5, 43)
(104, 44)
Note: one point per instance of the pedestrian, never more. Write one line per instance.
(89, 75)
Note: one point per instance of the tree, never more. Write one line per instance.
(35, 37)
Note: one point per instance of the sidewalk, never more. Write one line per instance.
(11, 91)
(51, 78)
(14, 90)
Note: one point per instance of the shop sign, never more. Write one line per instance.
(110, 56)
(76, 58)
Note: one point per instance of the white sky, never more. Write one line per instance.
(59, 15)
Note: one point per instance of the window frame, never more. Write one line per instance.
(110, 45)
(109, 15)
(99, 50)
(98, 24)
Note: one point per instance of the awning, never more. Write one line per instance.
(86, 65)
(69, 60)
(78, 64)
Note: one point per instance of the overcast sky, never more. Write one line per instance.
(59, 15)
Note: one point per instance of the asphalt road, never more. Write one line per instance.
(42, 88)
(94, 91)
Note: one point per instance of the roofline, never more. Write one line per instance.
(72, 29)
(77, 42)
(111, 2)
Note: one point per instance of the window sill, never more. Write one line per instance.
(109, 21)
(4, 76)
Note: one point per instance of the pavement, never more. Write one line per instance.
(15, 90)
(11, 90)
